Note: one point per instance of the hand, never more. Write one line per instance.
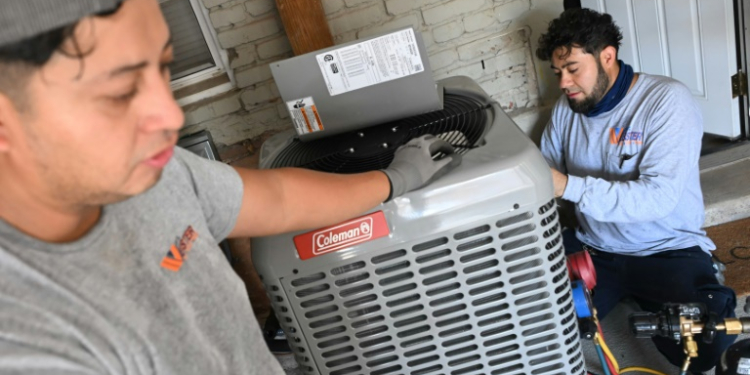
(413, 166)
(559, 181)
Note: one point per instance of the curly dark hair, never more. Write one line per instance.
(582, 28)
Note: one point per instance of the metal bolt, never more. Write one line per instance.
(351, 150)
(394, 129)
(384, 145)
(361, 135)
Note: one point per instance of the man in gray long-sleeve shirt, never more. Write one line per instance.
(623, 148)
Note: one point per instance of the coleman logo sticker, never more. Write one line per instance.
(342, 236)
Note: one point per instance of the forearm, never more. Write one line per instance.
(640, 200)
(284, 200)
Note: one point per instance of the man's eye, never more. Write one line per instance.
(125, 97)
(165, 65)
(572, 71)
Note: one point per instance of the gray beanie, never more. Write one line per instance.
(22, 19)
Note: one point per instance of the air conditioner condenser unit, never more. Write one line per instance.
(464, 276)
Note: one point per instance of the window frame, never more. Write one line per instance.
(219, 55)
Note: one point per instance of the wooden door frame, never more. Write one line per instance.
(742, 36)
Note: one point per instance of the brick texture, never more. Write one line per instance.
(449, 31)
(482, 39)
(260, 7)
(250, 32)
(451, 9)
(357, 18)
(228, 16)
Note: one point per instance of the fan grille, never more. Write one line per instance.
(462, 122)
(490, 299)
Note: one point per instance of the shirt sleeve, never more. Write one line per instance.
(219, 189)
(552, 144)
(670, 154)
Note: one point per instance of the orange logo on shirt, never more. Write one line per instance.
(178, 253)
(616, 136)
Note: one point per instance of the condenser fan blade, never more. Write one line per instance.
(462, 122)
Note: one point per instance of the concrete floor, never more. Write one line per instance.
(725, 179)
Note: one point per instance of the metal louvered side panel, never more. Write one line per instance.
(490, 298)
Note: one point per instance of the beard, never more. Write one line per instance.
(591, 100)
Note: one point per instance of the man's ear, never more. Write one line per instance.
(608, 56)
(8, 117)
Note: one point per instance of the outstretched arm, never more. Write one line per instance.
(283, 200)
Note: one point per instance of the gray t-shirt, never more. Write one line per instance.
(146, 291)
(633, 171)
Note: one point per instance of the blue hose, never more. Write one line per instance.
(602, 360)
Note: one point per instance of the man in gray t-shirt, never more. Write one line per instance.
(109, 258)
(623, 148)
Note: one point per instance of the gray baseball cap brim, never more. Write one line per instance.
(23, 19)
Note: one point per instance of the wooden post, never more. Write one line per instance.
(305, 24)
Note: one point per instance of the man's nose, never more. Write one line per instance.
(161, 111)
(564, 80)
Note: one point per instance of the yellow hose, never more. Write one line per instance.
(641, 369)
(608, 353)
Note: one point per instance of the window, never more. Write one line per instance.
(200, 67)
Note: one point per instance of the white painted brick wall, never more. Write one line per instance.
(491, 45)
(254, 96)
(259, 7)
(216, 107)
(412, 20)
(356, 18)
(213, 3)
(486, 40)
(451, 9)
(443, 59)
(250, 32)
(253, 75)
(274, 47)
(242, 56)
(512, 10)
(396, 7)
(228, 16)
(332, 6)
(354, 3)
(449, 31)
(479, 21)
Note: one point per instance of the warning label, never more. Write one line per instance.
(743, 367)
(305, 115)
(368, 63)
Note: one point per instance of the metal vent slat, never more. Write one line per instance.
(488, 299)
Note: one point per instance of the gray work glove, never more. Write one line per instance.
(413, 167)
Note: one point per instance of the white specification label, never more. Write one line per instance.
(368, 63)
(305, 116)
(743, 367)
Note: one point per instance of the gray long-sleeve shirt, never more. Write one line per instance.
(637, 193)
